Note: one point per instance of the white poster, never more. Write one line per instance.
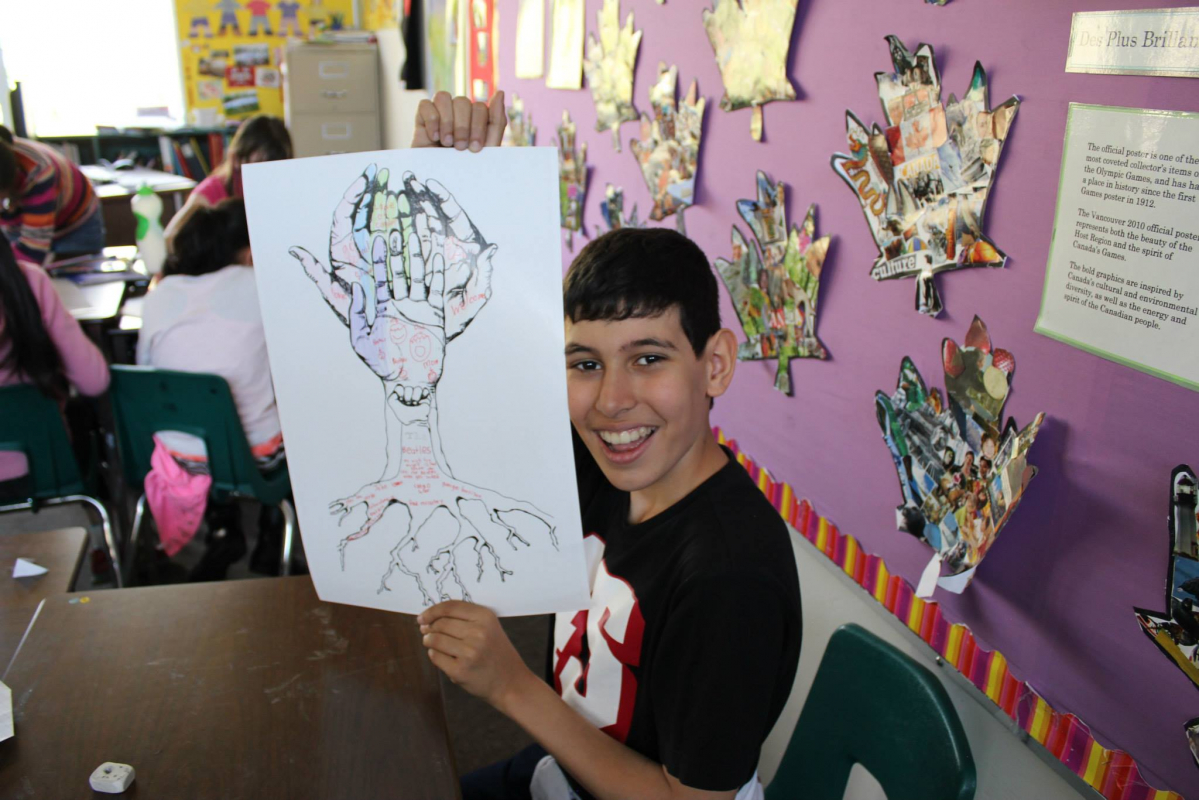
(412, 301)
(1156, 41)
(530, 39)
(1123, 275)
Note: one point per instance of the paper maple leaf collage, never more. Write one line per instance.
(961, 474)
(923, 181)
(609, 69)
(668, 150)
(774, 282)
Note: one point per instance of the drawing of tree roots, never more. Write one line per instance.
(407, 273)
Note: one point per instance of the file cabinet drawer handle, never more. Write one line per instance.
(334, 69)
(336, 130)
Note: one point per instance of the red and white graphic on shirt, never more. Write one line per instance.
(595, 648)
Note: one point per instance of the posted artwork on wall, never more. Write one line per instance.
(751, 39)
(668, 150)
(530, 39)
(923, 181)
(1175, 630)
(609, 68)
(566, 44)
(572, 179)
(961, 474)
(612, 210)
(417, 288)
(520, 131)
(775, 282)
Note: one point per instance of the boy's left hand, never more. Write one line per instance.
(466, 642)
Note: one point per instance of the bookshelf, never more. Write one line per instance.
(189, 152)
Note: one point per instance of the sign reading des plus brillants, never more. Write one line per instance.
(1157, 42)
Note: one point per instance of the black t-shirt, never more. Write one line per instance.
(688, 651)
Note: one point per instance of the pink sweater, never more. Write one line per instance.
(83, 363)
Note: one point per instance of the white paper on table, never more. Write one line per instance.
(6, 725)
(501, 413)
(566, 45)
(530, 39)
(24, 568)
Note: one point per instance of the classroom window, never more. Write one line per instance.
(83, 64)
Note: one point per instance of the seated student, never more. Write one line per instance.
(668, 684)
(203, 316)
(46, 204)
(41, 343)
(260, 138)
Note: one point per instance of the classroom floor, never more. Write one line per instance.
(480, 735)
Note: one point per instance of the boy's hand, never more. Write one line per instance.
(466, 642)
(456, 122)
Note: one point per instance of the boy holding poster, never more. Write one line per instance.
(668, 684)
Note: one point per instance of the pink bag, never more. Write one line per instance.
(177, 499)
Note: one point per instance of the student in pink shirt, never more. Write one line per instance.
(260, 138)
(41, 343)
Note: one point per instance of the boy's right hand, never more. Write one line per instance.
(456, 122)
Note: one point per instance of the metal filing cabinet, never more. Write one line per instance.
(331, 98)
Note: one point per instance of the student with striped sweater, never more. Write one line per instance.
(46, 204)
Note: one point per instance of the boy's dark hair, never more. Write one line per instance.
(644, 272)
(8, 161)
(210, 239)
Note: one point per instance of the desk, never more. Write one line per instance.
(116, 188)
(61, 552)
(232, 690)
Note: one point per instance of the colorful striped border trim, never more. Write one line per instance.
(1112, 773)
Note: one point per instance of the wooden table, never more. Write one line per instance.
(116, 188)
(240, 689)
(59, 551)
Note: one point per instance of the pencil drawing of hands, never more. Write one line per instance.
(408, 271)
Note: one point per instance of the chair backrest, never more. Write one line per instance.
(872, 705)
(32, 423)
(147, 400)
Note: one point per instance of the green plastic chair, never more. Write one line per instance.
(872, 705)
(147, 400)
(32, 424)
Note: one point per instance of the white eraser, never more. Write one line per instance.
(111, 778)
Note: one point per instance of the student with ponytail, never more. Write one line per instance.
(41, 343)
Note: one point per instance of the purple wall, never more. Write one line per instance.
(1055, 595)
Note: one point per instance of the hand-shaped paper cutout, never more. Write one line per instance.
(520, 131)
(923, 182)
(609, 69)
(1176, 630)
(668, 150)
(572, 178)
(751, 39)
(774, 285)
(612, 209)
(408, 272)
(961, 478)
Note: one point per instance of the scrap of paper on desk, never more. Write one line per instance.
(530, 39)
(567, 24)
(6, 721)
(1175, 630)
(774, 283)
(668, 150)
(960, 473)
(25, 568)
(609, 68)
(413, 317)
(923, 181)
(750, 39)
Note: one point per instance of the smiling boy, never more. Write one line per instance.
(668, 683)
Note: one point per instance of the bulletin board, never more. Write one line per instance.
(1055, 594)
(231, 51)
